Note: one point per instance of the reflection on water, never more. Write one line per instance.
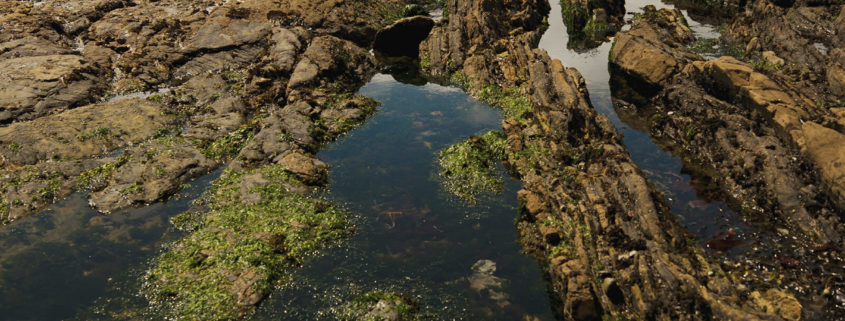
(56, 263)
(698, 209)
(413, 237)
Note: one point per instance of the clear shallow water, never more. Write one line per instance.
(57, 263)
(704, 214)
(412, 237)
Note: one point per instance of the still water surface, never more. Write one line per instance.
(412, 236)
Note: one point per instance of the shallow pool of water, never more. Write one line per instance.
(412, 237)
(58, 263)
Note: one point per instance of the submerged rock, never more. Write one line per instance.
(380, 306)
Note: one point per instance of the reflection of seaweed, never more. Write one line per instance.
(587, 26)
(468, 168)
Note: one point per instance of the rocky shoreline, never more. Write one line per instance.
(130, 100)
(611, 246)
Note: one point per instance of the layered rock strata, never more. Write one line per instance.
(610, 245)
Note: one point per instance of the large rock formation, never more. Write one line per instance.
(611, 246)
(758, 137)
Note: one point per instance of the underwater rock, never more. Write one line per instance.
(380, 306)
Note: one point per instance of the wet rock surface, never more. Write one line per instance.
(131, 101)
(757, 136)
(612, 247)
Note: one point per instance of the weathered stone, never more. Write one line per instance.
(778, 303)
(82, 132)
(772, 58)
(309, 169)
(827, 149)
(32, 87)
(649, 51)
(330, 62)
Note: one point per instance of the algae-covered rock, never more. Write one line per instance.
(468, 168)
(380, 306)
(255, 230)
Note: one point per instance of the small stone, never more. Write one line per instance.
(771, 57)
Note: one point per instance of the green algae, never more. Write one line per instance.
(364, 306)
(468, 168)
(254, 231)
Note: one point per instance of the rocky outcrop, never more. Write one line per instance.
(35, 86)
(611, 246)
(758, 139)
(475, 28)
(804, 34)
(652, 49)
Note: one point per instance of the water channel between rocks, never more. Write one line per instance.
(413, 237)
(701, 214)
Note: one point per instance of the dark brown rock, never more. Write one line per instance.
(403, 37)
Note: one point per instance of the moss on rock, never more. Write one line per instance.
(468, 168)
(380, 306)
(254, 231)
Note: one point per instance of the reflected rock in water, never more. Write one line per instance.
(590, 23)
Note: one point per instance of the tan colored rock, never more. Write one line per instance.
(771, 57)
(826, 147)
(309, 169)
(778, 303)
(82, 132)
(31, 87)
(330, 61)
(738, 81)
(637, 57)
(836, 78)
(652, 53)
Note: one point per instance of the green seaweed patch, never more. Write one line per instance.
(229, 145)
(99, 132)
(468, 168)
(100, 174)
(512, 102)
(394, 306)
(343, 125)
(252, 234)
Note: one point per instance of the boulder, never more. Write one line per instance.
(403, 37)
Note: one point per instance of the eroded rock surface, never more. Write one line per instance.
(758, 136)
(612, 247)
(128, 101)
